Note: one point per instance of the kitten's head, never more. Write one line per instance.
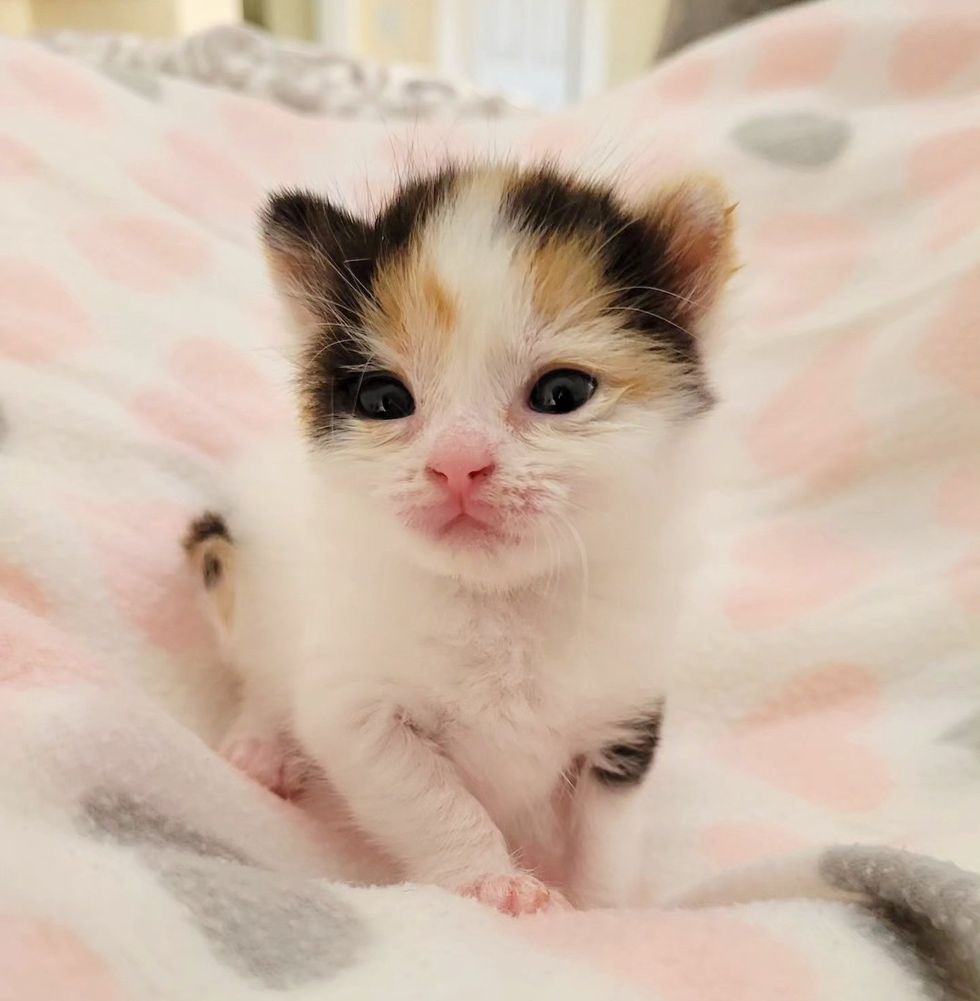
(500, 359)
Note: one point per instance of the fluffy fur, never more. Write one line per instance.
(480, 675)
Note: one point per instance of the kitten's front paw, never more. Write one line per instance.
(515, 895)
(268, 761)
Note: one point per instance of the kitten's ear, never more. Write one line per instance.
(318, 255)
(695, 217)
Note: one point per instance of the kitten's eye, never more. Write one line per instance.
(561, 391)
(382, 398)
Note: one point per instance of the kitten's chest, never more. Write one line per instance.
(505, 716)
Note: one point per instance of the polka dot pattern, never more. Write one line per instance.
(790, 571)
(143, 254)
(807, 740)
(45, 961)
(57, 87)
(840, 593)
(951, 350)
(930, 54)
(214, 402)
(798, 52)
(199, 180)
(41, 319)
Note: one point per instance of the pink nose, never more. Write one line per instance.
(461, 463)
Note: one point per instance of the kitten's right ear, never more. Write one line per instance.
(319, 256)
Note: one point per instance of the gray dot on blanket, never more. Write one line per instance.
(794, 139)
(272, 928)
(965, 733)
(122, 817)
(926, 911)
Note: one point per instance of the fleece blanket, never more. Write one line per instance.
(815, 808)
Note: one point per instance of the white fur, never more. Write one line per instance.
(456, 698)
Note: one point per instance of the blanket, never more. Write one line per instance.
(813, 813)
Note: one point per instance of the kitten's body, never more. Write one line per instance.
(484, 692)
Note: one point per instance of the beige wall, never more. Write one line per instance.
(398, 30)
(634, 31)
(15, 17)
(150, 17)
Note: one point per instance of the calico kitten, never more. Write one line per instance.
(455, 586)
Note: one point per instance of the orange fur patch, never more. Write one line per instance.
(415, 314)
(566, 274)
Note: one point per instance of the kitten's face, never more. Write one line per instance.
(499, 358)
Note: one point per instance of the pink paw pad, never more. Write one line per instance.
(515, 895)
(267, 762)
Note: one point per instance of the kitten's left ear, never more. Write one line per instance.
(319, 256)
(695, 218)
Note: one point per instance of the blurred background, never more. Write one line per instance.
(540, 53)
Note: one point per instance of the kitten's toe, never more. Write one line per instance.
(515, 894)
(268, 762)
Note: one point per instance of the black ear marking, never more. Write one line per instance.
(325, 262)
(624, 764)
(648, 279)
(207, 526)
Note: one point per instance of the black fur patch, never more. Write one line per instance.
(625, 764)
(634, 254)
(337, 257)
(205, 527)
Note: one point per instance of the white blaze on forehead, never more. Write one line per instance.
(473, 252)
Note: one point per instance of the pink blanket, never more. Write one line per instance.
(820, 771)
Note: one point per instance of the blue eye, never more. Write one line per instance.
(382, 397)
(561, 391)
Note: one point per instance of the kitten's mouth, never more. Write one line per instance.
(459, 528)
(464, 529)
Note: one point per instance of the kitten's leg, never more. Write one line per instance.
(609, 819)
(409, 798)
(254, 743)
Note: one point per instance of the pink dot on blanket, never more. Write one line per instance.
(813, 428)
(58, 85)
(789, 571)
(39, 318)
(684, 80)
(42, 961)
(138, 547)
(958, 502)
(951, 348)
(956, 214)
(199, 180)
(34, 652)
(20, 588)
(964, 582)
(680, 956)
(272, 137)
(944, 160)
(742, 843)
(217, 401)
(931, 53)
(807, 740)
(798, 49)
(800, 259)
(143, 254)
(17, 161)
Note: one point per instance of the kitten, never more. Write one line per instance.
(455, 586)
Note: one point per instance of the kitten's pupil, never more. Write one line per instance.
(561, 391)
(383, 398)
